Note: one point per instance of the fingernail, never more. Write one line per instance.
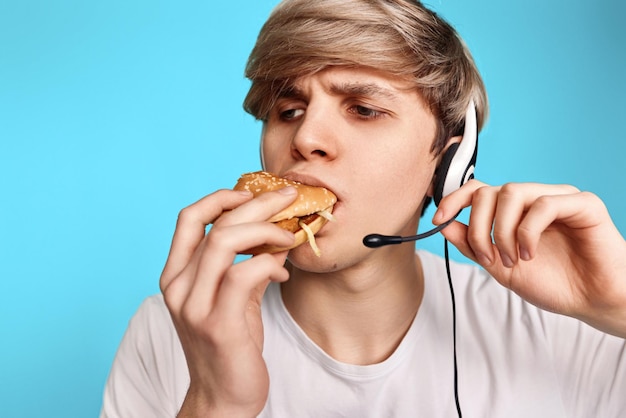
(483, 259)
(288, 191)
(438, 217)
(506, 260)
(524, 254)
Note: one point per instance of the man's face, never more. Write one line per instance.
(367, 137)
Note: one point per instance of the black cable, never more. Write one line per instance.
(378, 240)
(456, 372)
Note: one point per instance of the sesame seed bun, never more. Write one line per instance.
(305, 209)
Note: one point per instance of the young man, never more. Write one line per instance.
(363, 97)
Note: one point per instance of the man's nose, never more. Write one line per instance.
(316, 136)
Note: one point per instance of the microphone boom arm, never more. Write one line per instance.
(378, 240)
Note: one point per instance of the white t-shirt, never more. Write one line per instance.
(514, 360)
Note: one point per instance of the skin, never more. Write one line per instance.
(356, 303)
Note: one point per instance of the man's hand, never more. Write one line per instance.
(553, 245)
(215, 303)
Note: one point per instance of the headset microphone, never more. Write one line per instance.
(456, 168)
(378, 240)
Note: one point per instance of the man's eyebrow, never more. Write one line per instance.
(363, 90)
(345, 89)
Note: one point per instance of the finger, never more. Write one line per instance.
(260, 208)
(227, 238)
(258, 292)
(177, 289)
(456, 234)
(241, 287)
(222, 245)
(576, 210)
(513, 202)
(242, 282)
(481, 224)
(191, 226)
(456, 201)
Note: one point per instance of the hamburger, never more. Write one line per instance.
(304, 217)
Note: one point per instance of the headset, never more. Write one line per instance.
(455, 169)
(459, 161)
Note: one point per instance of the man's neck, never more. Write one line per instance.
(358, 316)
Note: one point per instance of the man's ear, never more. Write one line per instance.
(440, 157)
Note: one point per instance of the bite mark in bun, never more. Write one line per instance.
(304, 217)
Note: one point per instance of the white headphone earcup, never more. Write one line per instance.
(458, 162)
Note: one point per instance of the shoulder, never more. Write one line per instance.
(152, 310)
(154, 336)
(151, 322)
(149, 374)
(150, 333)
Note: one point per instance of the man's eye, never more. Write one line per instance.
(366, 112)
(291, 114)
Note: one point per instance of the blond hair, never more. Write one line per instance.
(400, 37)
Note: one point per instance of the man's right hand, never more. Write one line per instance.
(215, 303)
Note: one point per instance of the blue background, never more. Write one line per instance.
(115, 115)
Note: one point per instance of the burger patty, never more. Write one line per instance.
(291, 225)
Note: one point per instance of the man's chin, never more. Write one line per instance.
(304, 258)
